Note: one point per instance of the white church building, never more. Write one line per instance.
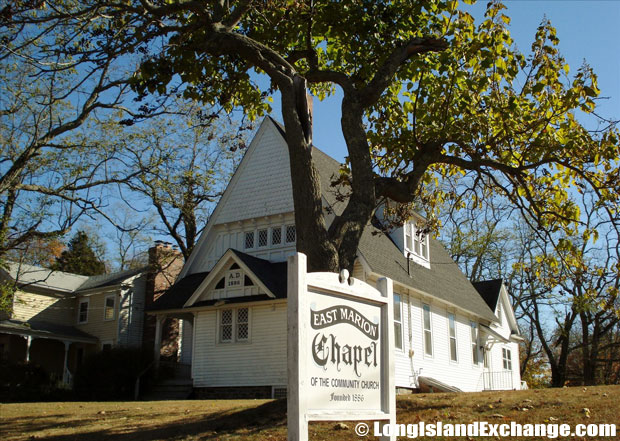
(450, 334)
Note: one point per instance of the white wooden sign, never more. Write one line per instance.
(340, 349)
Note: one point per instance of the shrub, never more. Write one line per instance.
(110, 375)
(24, 381)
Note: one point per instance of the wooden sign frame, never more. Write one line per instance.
(301, 284)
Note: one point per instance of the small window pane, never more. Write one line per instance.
(452, 323)
(226, 325)
(427, 317)
(428, 335)
(242, 324)
(398, 327)
(262, 238)
(408, 242)
(276, 236)
(398, 336)
(291, 234)
(83, 313)
(453, 350)
(227, 316)
(428, 343)
(109, 308)
(397, 316)
(507, 359)
(249, 239)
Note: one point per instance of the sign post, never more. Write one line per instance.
(340, 349)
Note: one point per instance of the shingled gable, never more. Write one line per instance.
(249, 165)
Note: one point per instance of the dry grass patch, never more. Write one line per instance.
(265, 420)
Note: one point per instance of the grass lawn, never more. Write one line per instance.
(266, 419)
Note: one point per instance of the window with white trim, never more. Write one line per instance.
(398, 323)
(109, 308)
(452, 331)
(475, 350)
(416, 240)
(276, 236)
(83, 311)
(262, 237)
(234, 325)
(243, 324)
(507, 359)
(249, 240)
(428, 333)
(291, 234)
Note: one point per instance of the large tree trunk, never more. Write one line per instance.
(312, 238)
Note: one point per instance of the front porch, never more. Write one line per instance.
(58, 349)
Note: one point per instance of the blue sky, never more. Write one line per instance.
(588, 30)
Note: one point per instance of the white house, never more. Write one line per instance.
(231, 293)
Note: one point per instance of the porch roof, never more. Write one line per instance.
(46, 330)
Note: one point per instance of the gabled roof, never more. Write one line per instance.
(184, 293)
(29, 275)
(63, 282)
(444, 280)
(178, 294)
(111, 279)
(489, 290)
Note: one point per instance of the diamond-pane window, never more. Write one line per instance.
(249, 239)
(276, 236)
(226, 325)
(243, 330)
(234, 325)
(291, 234)
(262, 238)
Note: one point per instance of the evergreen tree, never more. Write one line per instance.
(79, 257)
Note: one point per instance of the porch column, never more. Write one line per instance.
(159, 321)
(66, 375)
(28, 344)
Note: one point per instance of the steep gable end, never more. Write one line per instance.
(261, 186)
(265, 166)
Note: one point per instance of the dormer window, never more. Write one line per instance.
(416, 241)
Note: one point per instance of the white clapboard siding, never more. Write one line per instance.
(463, 373)
(131, 314)
(496, 361)
(404, 366)
(260, 362)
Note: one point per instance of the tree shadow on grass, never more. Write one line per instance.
(212, 426)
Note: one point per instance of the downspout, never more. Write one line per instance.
(408, 264)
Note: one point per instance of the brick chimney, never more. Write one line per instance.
(165, 264)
